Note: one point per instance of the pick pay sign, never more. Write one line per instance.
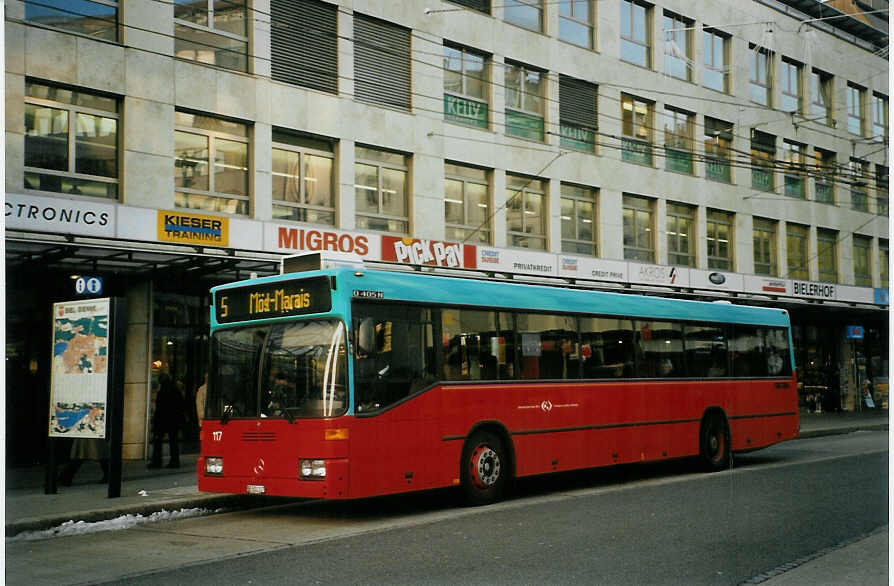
(427, 252)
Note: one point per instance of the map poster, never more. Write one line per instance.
(79, 378)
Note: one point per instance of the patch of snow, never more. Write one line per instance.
(123, 522)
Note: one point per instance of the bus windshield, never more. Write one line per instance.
(287, 370)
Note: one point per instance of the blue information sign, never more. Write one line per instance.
(854, 332)
(88, 285)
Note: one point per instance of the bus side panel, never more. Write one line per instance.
(559, 426)
(404, 449)
(601, 424)
(776, 400)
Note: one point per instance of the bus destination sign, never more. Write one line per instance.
(267, 300)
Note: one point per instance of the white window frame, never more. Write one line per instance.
(302, 152)
(212, 136)
(73, 110)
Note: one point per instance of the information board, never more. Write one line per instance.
(79, 375)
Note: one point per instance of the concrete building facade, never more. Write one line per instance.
(719, 150)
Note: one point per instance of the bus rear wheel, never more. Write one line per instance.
(484, 469)
(715, 442)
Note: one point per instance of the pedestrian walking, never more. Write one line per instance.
(166, 420)
(200, 400)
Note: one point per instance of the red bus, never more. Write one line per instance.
(346, 383)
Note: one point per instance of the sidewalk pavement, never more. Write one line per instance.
(146, 491)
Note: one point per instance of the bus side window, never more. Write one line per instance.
(606, 347)
(470, 347)
(778, 355)
(401, 360)
(545, 346)
(747, 351)
(706, 351)
(659, 349)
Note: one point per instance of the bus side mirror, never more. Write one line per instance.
(366, 336)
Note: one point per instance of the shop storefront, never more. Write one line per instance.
(838, 352)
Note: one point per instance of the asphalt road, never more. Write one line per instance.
(649, 524)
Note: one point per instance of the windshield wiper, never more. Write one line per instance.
(228, 412)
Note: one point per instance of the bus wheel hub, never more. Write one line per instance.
(485, 466)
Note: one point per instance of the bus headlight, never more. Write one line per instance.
(312, 469)
(214, 466)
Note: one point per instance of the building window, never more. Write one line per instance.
(827, 255)
(879, 107)
(210, 164)
(466, 204)
(763, 155)
(578, 219)
(717, 62)
(71, 141)
(765, 247)
(576, 22)
(212, 32)
(304, 44)
(859, 179)
(303, 178)
(759, 79)
(680, 228)
(824, 184)
(382, 73)
(881, 189)
(883, 263)
(636, 38)
(821, 97)
(855, 109)
(677, 46)
(524, 13)
(790, 82)
(524, 101)
(577, 114)
(796, 250)
(678, 140)
(862, 261)
(526, 212)
(479, 5)
(636, 128)
(381, 200)
(793, 154)
(638, 220)
(718, 149)
(720, 238)
(94, 18)
(465, 87)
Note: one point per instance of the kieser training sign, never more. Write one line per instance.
(184, 228)
(79, 381)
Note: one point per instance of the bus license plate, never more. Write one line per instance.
(255, 489)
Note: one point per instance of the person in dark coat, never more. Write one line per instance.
(166, 421)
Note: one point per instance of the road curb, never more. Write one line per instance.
(229, 501)
(841, 430)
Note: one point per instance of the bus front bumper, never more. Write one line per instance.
(333, 485)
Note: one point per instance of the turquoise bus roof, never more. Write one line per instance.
(446, 290)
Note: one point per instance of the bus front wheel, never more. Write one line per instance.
(715, 442)
(484, 468)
